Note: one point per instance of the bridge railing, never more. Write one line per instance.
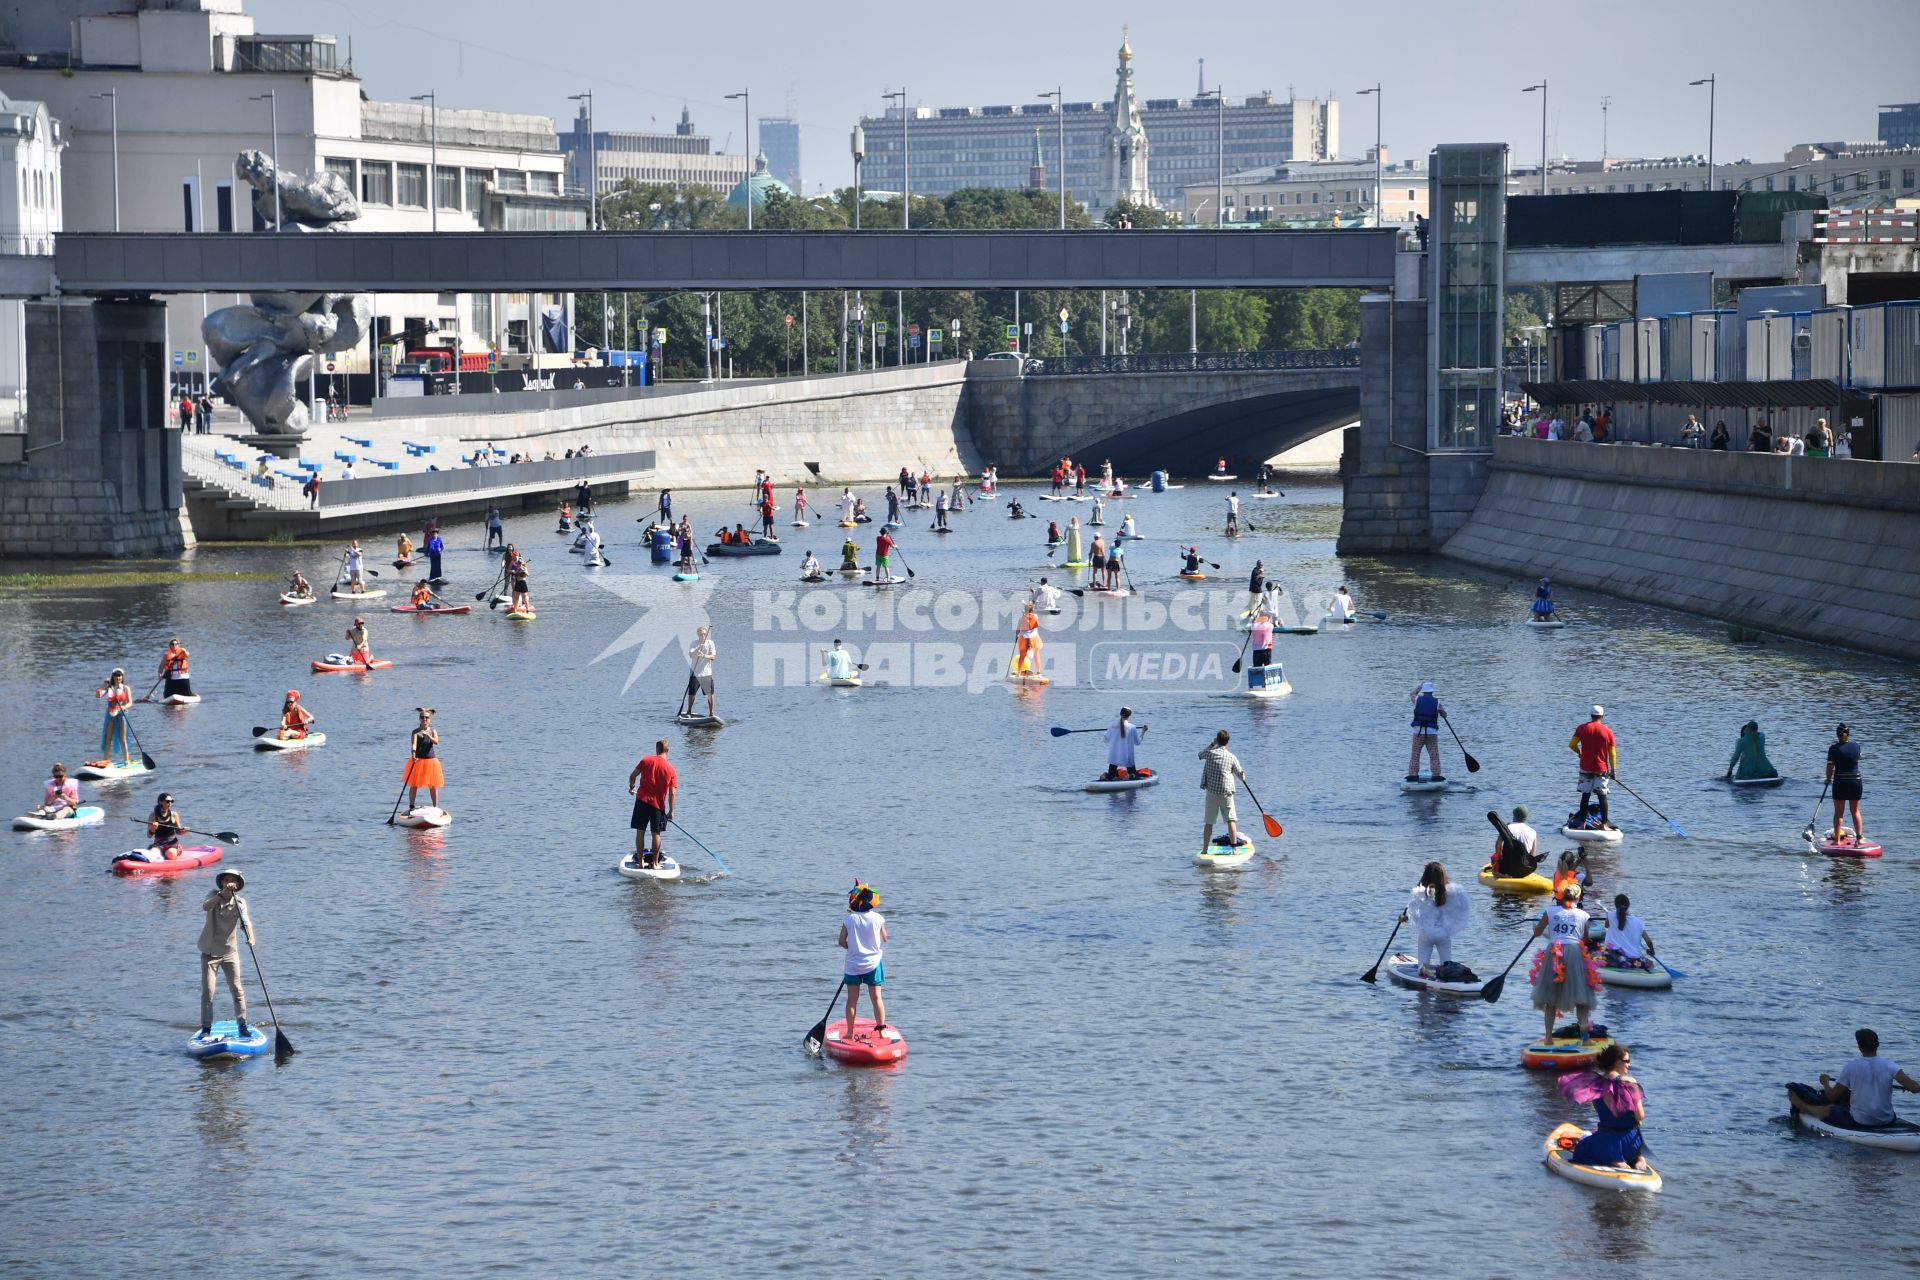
(1193, 362)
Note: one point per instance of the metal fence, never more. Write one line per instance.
(479, 481)
(1194, 362)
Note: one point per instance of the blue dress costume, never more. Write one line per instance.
(1543, 600)
(1614, 1140)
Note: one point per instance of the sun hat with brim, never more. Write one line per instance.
(239, 881)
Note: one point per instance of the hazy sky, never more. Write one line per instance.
(1789, 72)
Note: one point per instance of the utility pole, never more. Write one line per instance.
(1605, 103)
(746, 114)
(1379, 214)
(1541, 88)
(1713, 88)
(113, 101)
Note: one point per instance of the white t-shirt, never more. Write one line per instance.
(863, 941)
(1342, 607)
(1047, 597)
(1121, 742)
(1526, 835)
(1869, 1083)
(1233, 505)
(1565, 924)
(1629, 941)
(839, 664)
(702, 655)
(1126, 527)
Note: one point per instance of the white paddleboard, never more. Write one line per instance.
(667, 870)
(111, 772)
(1218, 857)
(268, 742)
(1643, 979)
(1758, 782)
(423, 819)
(1586, 835)
(288, 599)
(1425, 784)
(1605, 1176)
(85, 816)
(1904, 1136)
(1405, 970)
(700, 722)
(1123, 784)
(374, 594)
(178, 699)
(1545, 626)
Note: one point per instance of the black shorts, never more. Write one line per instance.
(647, 818)
(700, 684)
(1846, 788)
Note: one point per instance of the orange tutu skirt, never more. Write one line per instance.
(424, 773)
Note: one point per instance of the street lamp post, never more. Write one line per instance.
(433, 177)
(113, 101)
(1379, 214)
(746, 120)
(906, 181)
(271, 98)
(593, 160)
(1059, 97)
(1542, 88)
(1713, 90)
(1220, 154)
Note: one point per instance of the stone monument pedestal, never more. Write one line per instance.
(280, 445)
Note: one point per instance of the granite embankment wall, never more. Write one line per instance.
(1818, 548)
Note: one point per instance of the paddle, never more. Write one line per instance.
(224, 837)
(1671, 971)
(148, 695)
(1656, 813)
(282, 1047)
(1473, 766)
(724, 869)
(1491, 992)
(1807, 835)
(396, 803)
(1243, 651)
(480, 595)
(1373, 974)
(818, 1035)
(1058, 732)
(145, 759)
(1274, 829)
(903, 562)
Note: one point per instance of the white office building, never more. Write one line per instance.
(158, 97)
(31, 140)
(1316, 193)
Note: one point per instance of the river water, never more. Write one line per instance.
(511, 1058)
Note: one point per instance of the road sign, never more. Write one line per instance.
(193, 356)
(179, 359)
(1063, 326)
(660, 336)
(1063, 315)
(789, 320)
(913, 340)
(329, 366)
(1029, 328)
(913, 330)
(935, 335)
(879, 326)
(1013, 331)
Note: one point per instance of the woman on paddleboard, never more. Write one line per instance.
(403, 549)
(1075, 547)
(1564, 976)
(1843, 772)
(422, 597)
(298, 585)
(1027, 643)
(1628, 945)
(173, 669)
(164, 826)
(1126, 527)
(295, 720)
(1542, 608)
(423, 764)
(435, 547)
(60, 797)
(863, 933)
(522, 597)
(1749, 758)
(1260, 638)
(1438, 911)
(1123, 736)
(359, 647)
(115, 730)
(1618, 1103)
(1426, 732)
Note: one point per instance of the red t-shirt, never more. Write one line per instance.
(882, 545)
(657, 778)
(1596, 747)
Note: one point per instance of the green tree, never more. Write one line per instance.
(1313, 319)
(1141, 217)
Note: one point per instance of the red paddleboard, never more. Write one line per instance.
(1848, 846)
(195, 856)
(376, 665)
(443, 608)
(863, 1048)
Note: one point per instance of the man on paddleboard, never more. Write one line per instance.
(839, 663)
(863, 933)
(655, 787)
(226, 913)
(1862, 1098)
(1221, 767)
(173, 668)
(1594, 744)
(700, 675)
(1515, 864)
(882, 549)
(1122, 737)
(358, 647)
(1426, 732)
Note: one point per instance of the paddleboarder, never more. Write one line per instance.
(700, 657)
(1219, 770)
(496, 533)
(1619, 1105)
(1438, 912)
(403, 550)
(893, 506)
(423, 763)
(436, 546)
(1542, 608)
(1564, 976)
(1075, 547)
(810, 569)
(522, 598)
(1341, 606)
(1749, 758)
(359, 648)
(115, 730)
(1599, 755)
(1123, 736)
(1426, 732)
(1233, 515)
(1256, 584)
(1116, 556)
(1512, 862)
(940, 505)
(1027, 643)
(849, 555)
(863, 933)
(226, 913)
(882, 551)
(1862, 1098)
(1627, 944)
(666, 506)
(840, 663)
(1843, 772)
(60, 797)
(1260, 640)
(164, 826)
(295, 720)
(1127, 530)
(1046, 596)
(1099, 511)
(299, 587)
(799, 505)
(654, 785)
(173, 669)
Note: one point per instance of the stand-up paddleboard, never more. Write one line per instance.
(668, 869)
(1220, 475)
(1565, 1050)
(1218, 856)
(1141, 778)
(1559, 1155)
(268, 742)
(891, 525)
(428, 611)
(1641, 979)
(131, 863)
(85, 816)
(1424, 782)
(1593, 835)
(337, 662)
(374, 594)
(521, 615)
(423, 818)
(1902, 1135)
(840, 682)
(225, 1041)
(864, 1047)
(1194, 577)
(889, 581)
(1847, 846)
(799, 524)
(1532, 882)
(1111, 593)
(813, 578)
(684, 576)
(101, 771)
(1076, 564)
(1776, 780)
(1031, 679)
(1537, 625)
(288, 598)
(700, 722)
(1405, 970)
(1269, 681)
(846, 524)
(178, 700)
(403, 563)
